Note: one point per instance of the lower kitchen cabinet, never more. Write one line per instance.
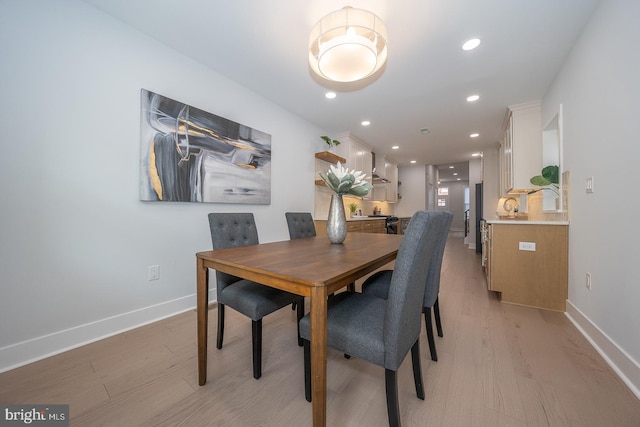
(527, 264)
(360, 226)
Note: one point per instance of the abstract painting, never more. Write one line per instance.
(189, 155)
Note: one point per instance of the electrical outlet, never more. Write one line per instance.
(154, 272)
(587, 281)
(527, 246)
(588, 187)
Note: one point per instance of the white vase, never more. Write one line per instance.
(337, 221)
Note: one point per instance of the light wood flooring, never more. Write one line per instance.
(499, 365)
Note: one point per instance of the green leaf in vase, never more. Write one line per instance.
(335, 182)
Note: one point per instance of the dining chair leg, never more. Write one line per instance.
(299, 316)
(256, 336)
(307, 369)
(417, 369)
(436, 314)
(220, 326)
(429, 328)
(393, 408)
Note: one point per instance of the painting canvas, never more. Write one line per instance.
(189, 155)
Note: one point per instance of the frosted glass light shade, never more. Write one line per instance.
(348, 45)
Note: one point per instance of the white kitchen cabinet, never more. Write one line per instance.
(357, 153)
(521, 147)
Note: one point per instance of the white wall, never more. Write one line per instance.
(490, 184)
(456, 202)
(598, 87)
(413, 190)
(75, 239)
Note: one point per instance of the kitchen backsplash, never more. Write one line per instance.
(323, 199)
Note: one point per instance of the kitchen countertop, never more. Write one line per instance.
(524, 222)
(357, 218)
(364, 218)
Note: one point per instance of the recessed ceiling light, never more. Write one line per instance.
(473, 98)
(458, 179)
(475, 155)
(471, 44)
(425, 131)
(395, 147)
(365, 123)
(413, 161)
(474, 135)
(455, 174)
(451, 167)
(330, 95)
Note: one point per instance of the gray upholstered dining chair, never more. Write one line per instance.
(382, 331)
(249, 298)
(300, 225)
(378, 285)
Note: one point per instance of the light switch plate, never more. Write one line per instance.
(588, 187)
(527, 246)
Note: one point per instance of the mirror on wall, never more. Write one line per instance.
(552, 155)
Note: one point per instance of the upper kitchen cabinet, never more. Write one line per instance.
(521, 147)
(357, 153)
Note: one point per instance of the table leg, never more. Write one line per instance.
(202, 308)
(319, 355)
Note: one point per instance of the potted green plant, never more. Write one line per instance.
(549, 179)
(353, 208)
(332, 143)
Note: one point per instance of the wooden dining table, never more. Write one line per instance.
(312, 267)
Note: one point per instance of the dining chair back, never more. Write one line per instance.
(382, 331)
(300, 225)
(252, 299)
(379, 284)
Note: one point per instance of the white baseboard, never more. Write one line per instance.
(23, 353)
(627, 369)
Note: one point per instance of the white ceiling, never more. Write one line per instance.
(262, 45)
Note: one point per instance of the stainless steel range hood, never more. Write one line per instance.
(378, 170)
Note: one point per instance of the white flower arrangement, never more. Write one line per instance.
(343, 181)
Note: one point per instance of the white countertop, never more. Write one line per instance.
(524, 222)
(356, 218)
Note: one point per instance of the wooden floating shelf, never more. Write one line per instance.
(319, 182)
(330, 157)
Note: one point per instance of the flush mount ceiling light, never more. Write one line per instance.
(471, 44)
(348, 45)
